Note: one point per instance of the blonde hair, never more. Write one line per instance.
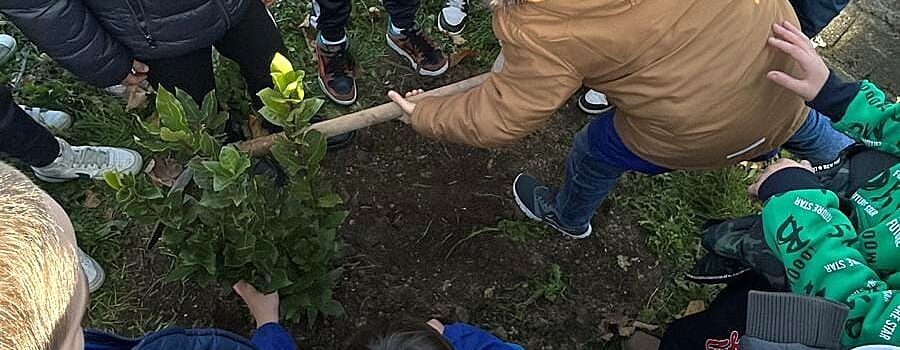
(37, 270)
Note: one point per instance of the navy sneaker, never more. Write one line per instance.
(535, 200)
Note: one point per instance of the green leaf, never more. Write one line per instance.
(286, 153)
(168, 135)
(317, 146)
(212, 117)
(330, 200)
(207, 145)
(191, 110)
(278, 279)
(233, 160)
(215, 200)
(150, 193)
(334, 219)
(180, 273)
(151, 128)
(171, 112)
(310, 108)
(202, 176)
(113, 180)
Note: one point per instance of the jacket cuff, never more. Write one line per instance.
(788, 179)
(835, 97)
(790, 318)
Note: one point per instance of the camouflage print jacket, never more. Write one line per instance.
(850, 256)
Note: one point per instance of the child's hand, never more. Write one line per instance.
(782, 163)
(268, 3)
(791, 41)
(437, 325)
(263, 307)
(407, 106)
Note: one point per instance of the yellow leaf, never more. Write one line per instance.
(281, 64)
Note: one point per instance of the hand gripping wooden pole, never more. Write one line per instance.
(364, 118)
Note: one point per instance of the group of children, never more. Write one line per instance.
(835, 244)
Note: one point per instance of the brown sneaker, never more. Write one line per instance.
(336, 73)
(424, 56)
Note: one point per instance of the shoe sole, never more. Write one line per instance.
(447, 31)
(330, 96)
(412, 62)
(587, 110)
(531, 215)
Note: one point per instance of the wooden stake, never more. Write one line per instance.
(354, 121)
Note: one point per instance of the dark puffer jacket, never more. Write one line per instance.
(98, 39)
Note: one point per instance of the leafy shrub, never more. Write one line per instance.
(224, 217)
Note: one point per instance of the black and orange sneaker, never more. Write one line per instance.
(336, 72)
(424, 56)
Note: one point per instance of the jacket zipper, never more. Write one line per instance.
(141, 16)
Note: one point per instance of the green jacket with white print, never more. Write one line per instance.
(851, 258)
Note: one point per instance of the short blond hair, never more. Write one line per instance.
(37, 270)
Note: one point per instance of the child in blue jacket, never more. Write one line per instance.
(44, 291)
(431, 335)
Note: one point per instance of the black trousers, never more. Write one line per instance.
(721, 325)
(22, 137)
(252, 43)
(330, 17)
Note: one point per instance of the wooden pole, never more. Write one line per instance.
(364, 118)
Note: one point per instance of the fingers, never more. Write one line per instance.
(799, 33)
(795, 85)
(406, 106)
(134, 79)
(414, 93)
(798, 53)
(792, 37)
(244, 289)
(139, 67)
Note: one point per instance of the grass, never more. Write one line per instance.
(670, 207)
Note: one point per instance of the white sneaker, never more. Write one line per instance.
(594, 102)
(453, 18)
(92, 270)
(56, 120)
(7, 48)
(88, 162)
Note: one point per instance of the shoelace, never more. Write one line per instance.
(338, 63)
(460, 4)
(90, 158)
(421, 44)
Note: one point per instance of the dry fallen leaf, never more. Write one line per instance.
(624, 262)
(457, 40)
(645, 326)
(135, 97)
(459, 56)
(254, 123)
(164, 171)
(91, 199)
(626, 331)
(305, 23)
(693, 307)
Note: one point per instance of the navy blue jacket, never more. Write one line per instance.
(98, 39)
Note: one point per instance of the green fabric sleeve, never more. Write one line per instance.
(873, 120)
(818, 246)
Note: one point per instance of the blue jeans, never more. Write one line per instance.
(814, 15)
(598, 159)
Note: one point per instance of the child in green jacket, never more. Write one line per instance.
(850, 256)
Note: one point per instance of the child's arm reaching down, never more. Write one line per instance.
(269, 335)
(466, 337)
